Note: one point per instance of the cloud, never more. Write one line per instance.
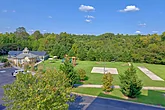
(155, 31)
(31, 31)
(130, 8)
(86, 8)
(142, 24)
(88, 20)
(0, 32)
(4, 11)
(13, 11)
(89, 17)
(50, 17)
(138, 32)
(44, 30)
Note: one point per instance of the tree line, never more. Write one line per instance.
(105, 47)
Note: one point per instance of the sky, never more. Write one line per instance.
(83, 16)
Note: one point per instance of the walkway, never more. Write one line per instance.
(100, 86)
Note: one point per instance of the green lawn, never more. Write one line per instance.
(147, 96)
(95, 78)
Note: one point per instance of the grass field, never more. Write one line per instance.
(147, 96)
(95, 78)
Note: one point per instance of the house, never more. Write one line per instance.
(26, 56)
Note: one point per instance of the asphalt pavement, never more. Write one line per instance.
(95, 103)
(5, 78)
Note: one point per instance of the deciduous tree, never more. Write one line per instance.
(107, 82)
(43, 91)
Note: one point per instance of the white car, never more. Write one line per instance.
(17, 71)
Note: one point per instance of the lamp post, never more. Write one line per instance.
(104, 60)
(104, 66)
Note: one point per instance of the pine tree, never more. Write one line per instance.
(68, 69)
(107, 82)
(130, 85)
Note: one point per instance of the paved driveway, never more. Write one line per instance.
(5, 78)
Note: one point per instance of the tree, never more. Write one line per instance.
(82, 52)
(68, 69)
(56, 50)
(37, 35)
(91, 55)
(82, 74)
(43, 91)
(26, 66)
(62, 51)
(107, 82)
(71, 53)
(21, 33)
(129, 83)
(163, 36)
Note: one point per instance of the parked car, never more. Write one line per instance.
(17, 71)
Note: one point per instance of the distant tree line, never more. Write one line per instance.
(105, 47)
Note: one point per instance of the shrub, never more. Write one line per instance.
(107, 82)
(82, 74)
(3, 60)
(7, 64)
(26, 67)
(130, 84)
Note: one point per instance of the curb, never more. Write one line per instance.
(80, 94)
(116, 87)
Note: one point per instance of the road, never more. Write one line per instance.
(81, 102)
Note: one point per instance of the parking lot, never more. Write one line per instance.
(5, 78)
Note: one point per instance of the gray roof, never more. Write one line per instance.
(39, 53)
(15, 53)
(29, 55)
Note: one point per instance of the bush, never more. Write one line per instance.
(82, 74)
(3, 60)
(107, 82)
(26, 67)
(7, 64)
(130, 84)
